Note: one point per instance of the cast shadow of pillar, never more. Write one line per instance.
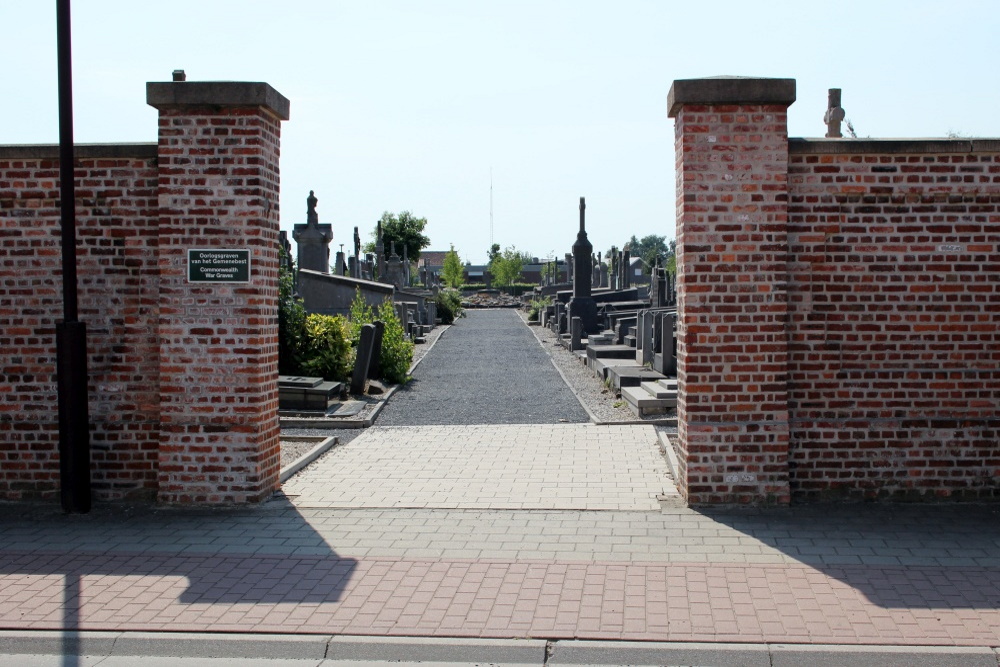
(898, 556)
(110, 568)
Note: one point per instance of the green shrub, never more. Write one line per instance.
(328, 351)
(361, 314)
(291, 326)
(535, 306)
(449, 305)
(397, 351)
(518, 289)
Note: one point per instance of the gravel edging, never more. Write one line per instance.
(598, 400)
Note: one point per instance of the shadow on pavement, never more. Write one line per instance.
(897, 556)
(123, 564)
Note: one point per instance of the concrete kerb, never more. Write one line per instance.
(324, 445)
(271, 646)
(669, 453)
(336, 648)
(594, 418)
(590, 415)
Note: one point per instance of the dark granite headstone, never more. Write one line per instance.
(374, 366)
(363, 359)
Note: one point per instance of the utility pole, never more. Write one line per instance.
(71, 334)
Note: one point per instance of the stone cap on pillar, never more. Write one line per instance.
(163, 94)
(729, 90)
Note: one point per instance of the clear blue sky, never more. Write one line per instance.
(409, 105)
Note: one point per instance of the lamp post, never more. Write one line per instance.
(71, 334)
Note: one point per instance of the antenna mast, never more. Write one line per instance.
(491, 207)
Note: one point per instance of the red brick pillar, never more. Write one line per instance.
(732, 211)
(218, 190)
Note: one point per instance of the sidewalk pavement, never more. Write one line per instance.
(867, 576)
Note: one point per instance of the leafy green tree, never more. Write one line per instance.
(405, 230)
(452, 272)
(650, 249)
(506, 267)
(493, 253)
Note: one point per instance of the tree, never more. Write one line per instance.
(405, 230)
(493, 253)
(650, 249)
(452, 272)
(506, 267)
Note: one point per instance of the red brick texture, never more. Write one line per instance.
(183, 377)
(894, 319)
(218, 188)
(838, 312)
(117, 276)
(731, 257)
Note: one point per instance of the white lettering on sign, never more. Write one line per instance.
(711, 139)
(224, 265)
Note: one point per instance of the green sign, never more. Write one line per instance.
(218, 266)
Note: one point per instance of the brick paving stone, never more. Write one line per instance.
(564, 466)
(671, 574)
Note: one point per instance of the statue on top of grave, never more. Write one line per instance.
(357, 244)
(312, 218)
(313, 239)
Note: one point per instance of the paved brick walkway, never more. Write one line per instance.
(562, 466)
(855, 575)
(541, 531)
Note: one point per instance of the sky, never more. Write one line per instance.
(433, 106)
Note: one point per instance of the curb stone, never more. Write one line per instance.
(334, 649)
(298, 464)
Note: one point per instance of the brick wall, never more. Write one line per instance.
(838, 305)
(218, 188)
(183, 376)
(731, 253)
(117, 275)
(894, 344)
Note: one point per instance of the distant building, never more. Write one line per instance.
(638, 270)
(432, 260)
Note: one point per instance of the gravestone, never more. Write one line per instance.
(307, 394)
(313, 239)
(576, 334)
(363, 360)
(375, 366)
(582, 303)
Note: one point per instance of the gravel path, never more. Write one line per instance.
(486, 369)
